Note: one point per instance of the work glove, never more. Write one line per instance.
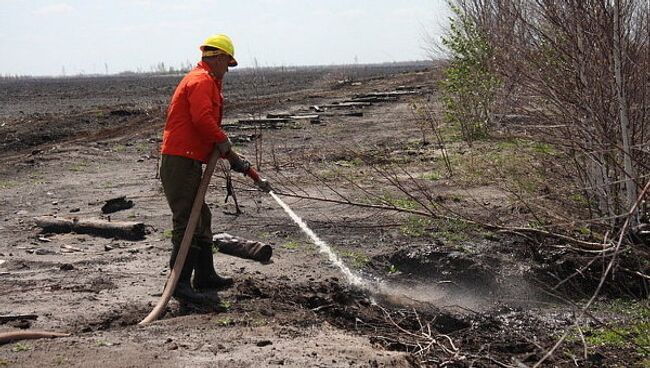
(264, 185)
(238, 163)
(224, 147)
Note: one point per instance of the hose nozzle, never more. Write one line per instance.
(251, 173)
(263, 184)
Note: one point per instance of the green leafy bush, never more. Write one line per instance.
(469, 86)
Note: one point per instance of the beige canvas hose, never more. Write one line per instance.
(172, 280)
(7, 337)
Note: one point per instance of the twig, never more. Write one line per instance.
(638, 273)
(552, 350)
(584, 343)
(622, 233)
(427, 336)
(581, 243)
(591, 246)
(606, 272)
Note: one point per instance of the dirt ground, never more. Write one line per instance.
(68, 145)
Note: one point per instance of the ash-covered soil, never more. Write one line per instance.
(68, 145)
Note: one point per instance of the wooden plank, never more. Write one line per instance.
(263, 121)
(259, 124)
(17, 317)
(342, 113)
(373, 99)
(305, 117)
(272, 115)
(353, 113)
(343, 105)
(109, 229)
(386, 94)
(410, 88)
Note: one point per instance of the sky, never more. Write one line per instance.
(56, 37)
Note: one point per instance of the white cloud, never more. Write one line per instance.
(54, 9)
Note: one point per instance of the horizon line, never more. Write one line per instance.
(182, 70)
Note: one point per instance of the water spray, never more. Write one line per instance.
(353, 279)
(371, 287)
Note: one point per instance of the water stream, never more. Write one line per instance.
(352, 279)
(432, 293)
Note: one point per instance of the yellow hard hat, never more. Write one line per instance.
(223, 43)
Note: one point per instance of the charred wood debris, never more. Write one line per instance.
(352, 107)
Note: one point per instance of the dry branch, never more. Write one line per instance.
(514, 230)
(606, 272)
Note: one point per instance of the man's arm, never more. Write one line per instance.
(202, 110)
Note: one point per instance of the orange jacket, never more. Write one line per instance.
(194, 116)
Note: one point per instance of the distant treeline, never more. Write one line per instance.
(161, 69)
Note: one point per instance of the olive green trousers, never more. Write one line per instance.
(181, 177)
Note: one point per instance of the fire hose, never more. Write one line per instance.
(172, 280)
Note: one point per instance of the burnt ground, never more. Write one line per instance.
(442, 292)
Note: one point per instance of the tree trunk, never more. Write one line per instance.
(630, 185)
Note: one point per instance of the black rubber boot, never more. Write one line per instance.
(184, 292)
(205, 277)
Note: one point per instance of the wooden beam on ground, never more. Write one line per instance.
(373, 99)
(275, 115)
(242, 248)
(17, 317)
(342, 105)
(410, 88)
(305, 117)
(387, 94)
(263, 121)
(109, 229)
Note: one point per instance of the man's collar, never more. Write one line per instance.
(203, 65)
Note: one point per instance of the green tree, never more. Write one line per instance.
(468, 87)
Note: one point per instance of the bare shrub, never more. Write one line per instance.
(580, 72)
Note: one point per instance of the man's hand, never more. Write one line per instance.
(264, 185)
(224, 147)
(238, 163)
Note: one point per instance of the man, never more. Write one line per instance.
(192, 131)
